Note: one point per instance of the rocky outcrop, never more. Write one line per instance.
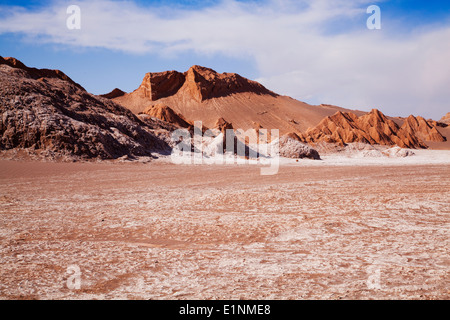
(113, 94)
(161, 84)
(204, 83)
(198, 83)
(37, 73)
(56, 118)
(222, 125)
(340, 128)
(166, 114)
(373, 128)
(384, 131)
(290, 146)
(422, 129)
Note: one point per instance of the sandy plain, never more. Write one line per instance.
(164, 231)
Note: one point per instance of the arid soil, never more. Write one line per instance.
(160, 231)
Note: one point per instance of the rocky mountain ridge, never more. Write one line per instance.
(48, 114)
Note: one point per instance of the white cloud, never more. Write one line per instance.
(290, 41)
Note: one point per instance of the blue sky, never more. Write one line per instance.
(101, 70)
(316, 51)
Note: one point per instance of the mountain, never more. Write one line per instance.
(47, 114)
(203, 94)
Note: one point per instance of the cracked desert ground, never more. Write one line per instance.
(164, 231)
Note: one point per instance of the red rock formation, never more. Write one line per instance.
(384, 131)
(294, 136)
(198, 83)
(166, 114)
(204, 83)
(422, 129)
(203, 94)
(373, 128)
(436, 123)
(341, 128)
(222, 125)
(113, 94)
(161, 84)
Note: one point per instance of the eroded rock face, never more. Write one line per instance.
(55, 115)
(340, 128)
(222, 125)
(166, 114)
(204, 83)
(161, 84)
(37, 73)
(373, 128)
(422, 129)
(198, 83)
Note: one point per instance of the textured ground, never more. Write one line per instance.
(160, 231)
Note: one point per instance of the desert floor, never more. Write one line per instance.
(161, 231)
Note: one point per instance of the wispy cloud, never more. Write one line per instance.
(294, 44)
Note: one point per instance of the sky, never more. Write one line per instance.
(317, 51)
